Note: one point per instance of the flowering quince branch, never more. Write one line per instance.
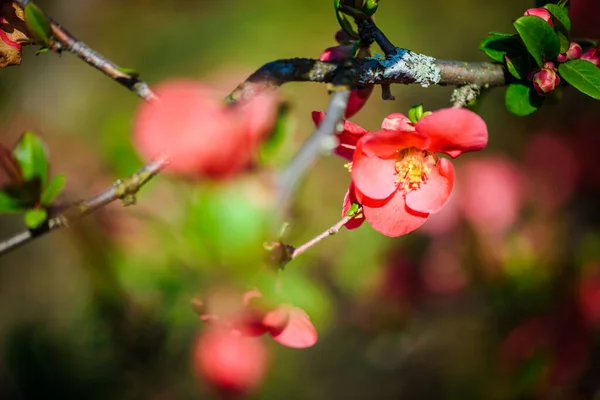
(123, 189)
(329, 232)
(62, 40)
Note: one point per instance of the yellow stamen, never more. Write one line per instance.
(413, 168)
(348, 166)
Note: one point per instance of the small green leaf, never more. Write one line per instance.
(583, 76)
(32, 156)
(370, 7)
(415, 113)
(517, 66)
(353, 210)
(344, 21)
(35, 217)
(496, 47)
(27, 193)
(539, 38)
(54, 188)
(8, 204)
(522, 100)
(37, 24)
(129, 71)
(42, 50)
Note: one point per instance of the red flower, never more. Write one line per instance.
(201, 135)
(396, 175)
(288, 325)
(347, 138)
(541, 13)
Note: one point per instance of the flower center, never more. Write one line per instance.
(413, 168)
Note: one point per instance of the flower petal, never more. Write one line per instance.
(358, 98)
(276, 321)
(347, 138)
(349, 199)
(394, 218)
(454, 131)
(299, 332)
(385, 143)
(435, 192)
(397, 122)
(375, 177)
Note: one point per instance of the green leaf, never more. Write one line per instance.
(494, 33)
(54, 188)
(129, 71)
(517, 66)
(27, 193)
(353, 210)
(522, 99)
(32, 156)
(539, 38)
(583, 76)
(559, 14)
(370, 7)
(8, 204)
(496, 47)
(415, 113)
(42, 50)
(37, 24)
(35, 217)
(562, 25)
(344, 21)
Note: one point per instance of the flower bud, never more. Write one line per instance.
(228, 362)
(336, 53)
(546, 79)
(342, 37)
(592, 55)
(542, 13)
(574, 52)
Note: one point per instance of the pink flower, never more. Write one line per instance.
(542, 13)
(201, 135)
(396, 175)
(360, 95)
(288, 325)
(573, 53)
(592, 55)
(229, 362)
(546, 79)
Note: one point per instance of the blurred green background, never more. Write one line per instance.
(453, 311)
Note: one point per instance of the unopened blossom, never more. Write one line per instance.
(397, 176)
(288, 325)
(546, 79)
(592, 55)
(229, 362)
(200, 134)
(542, 13)
(360, 95)
(572, 53)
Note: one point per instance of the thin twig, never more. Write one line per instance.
(68, 42)
(124, 189)
(311, 148)
(369, 32)
(329, 232)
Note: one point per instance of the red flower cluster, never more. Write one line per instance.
(201, 135)
(288, 325)
(397, 176)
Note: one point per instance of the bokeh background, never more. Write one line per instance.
(497, 297)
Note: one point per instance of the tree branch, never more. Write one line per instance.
(401, 66)
(66, 41)
(123, 189)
